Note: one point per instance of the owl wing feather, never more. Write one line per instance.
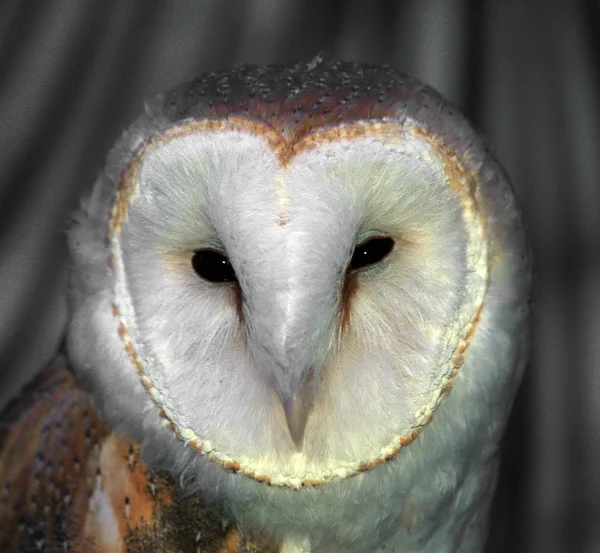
(68, 482)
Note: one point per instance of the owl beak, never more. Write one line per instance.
(297, 408)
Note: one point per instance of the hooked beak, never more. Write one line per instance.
(297, 408)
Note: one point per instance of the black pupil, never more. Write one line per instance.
(213, 266)
(371, 251)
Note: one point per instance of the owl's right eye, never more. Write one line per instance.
(213, 266)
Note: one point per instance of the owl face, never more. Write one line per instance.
(295, 277)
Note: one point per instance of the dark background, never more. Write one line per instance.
(73, 74)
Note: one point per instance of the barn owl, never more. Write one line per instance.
(303, 291)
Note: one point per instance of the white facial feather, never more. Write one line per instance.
(207, 189)
(381, 353)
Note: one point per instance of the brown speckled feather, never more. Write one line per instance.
(69, 483)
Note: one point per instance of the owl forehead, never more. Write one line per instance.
(250, 159)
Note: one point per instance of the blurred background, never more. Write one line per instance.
(74, 74)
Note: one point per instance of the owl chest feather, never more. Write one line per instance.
(440, 508)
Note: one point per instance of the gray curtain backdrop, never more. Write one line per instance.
(73, 74)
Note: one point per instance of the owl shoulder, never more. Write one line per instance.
(69, 482)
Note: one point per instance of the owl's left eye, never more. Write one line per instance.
(371, 251)
(213, 266)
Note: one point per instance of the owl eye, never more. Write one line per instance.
(371, 251)
(213, 266)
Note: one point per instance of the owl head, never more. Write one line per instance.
(289, 271)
